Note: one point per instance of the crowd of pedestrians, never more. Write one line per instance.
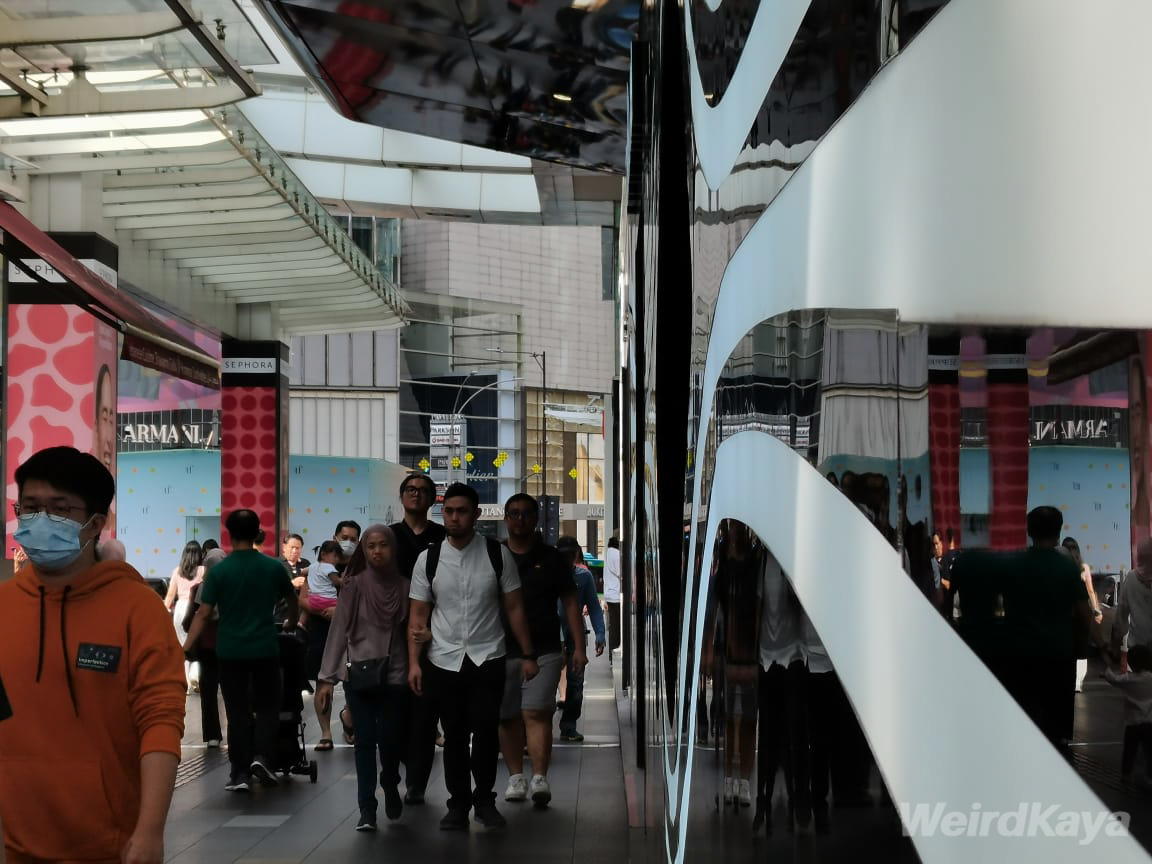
(421, 625)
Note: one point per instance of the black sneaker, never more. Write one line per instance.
(367, 821)
(573, 737)
(236, 783)
(414, 796)
(488, 816)
(264, 774)
(454, 820)
(393, 806)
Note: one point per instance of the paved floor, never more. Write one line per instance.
(587, 822)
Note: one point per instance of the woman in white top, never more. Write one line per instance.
(187, 575)
(1073, 550)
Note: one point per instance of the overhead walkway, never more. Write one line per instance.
(120, 123)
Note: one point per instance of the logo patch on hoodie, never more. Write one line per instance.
(100, 658)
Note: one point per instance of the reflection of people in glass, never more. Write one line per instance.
(783, 734)
(736, 587)
(1027, 616)
(1073, 550)
(1137, 441)
(104, 426)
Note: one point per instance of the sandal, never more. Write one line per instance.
(323, 745)
(349, 731)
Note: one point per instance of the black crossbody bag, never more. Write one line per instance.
(364, 674)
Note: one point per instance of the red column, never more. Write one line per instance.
(1008, 418)
(254, 435)
(944, 457)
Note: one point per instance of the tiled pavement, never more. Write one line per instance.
(588, 820)
(299, 821)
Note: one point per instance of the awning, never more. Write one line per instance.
(147, 340)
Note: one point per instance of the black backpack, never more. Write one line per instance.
(495, 555)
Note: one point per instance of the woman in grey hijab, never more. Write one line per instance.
(367, 649)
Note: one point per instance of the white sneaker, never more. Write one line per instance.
(729, 790)
(517, 788)
(212, 743)
(745, 793)
(541, 791)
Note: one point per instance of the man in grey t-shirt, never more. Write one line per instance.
(461, 594)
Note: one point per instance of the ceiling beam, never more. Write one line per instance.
(201, 243)
(338, 270)
(158, 192)
(201, 156)
(29, 99)
(255, 254)
(273, 292)
(302, 287)
(182, 177)
(174, 220)
(179, 236)
(65, 30)
(79, 99)
(215, 47)
(168, 207)
(274, 261)
(329, 262)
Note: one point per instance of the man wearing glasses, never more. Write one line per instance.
(527, 709)
(95, 677)
(414, 534)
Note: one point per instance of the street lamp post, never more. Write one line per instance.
(541, 358)
(458, 412)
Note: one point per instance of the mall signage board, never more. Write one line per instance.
(169, 430)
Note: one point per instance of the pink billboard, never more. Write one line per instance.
(61, 387)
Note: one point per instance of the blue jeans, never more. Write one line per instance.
(574, 699)
(380, 718)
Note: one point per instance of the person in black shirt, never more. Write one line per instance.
(297, 566)
(528, 706)
(414, 534)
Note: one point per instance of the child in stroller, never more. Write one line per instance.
(291, 757)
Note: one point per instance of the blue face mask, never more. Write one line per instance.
(51, 542)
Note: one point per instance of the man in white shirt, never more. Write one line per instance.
(461, 586)
(612, 591)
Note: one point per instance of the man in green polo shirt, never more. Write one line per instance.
(245, 587)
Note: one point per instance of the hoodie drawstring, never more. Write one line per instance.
(64, 648)
(40, 650)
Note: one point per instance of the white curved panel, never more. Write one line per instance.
(720, 130)
(953, 739)
(904, 205)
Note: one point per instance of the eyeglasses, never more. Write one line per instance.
(54, 510)
(519, 514)
(417, 490)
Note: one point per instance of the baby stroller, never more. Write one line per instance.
(291, 757)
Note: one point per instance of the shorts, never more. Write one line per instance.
(539, 694)
(740, 685)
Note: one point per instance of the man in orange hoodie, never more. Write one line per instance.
(95, 678)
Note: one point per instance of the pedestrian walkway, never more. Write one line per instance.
(299, 821)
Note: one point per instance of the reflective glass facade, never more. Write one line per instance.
(847, 396)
